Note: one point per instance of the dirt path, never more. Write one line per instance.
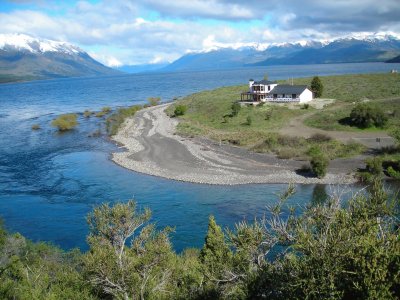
(153, 148)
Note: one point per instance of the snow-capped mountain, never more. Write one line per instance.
(23, 57)
(377, 47)
(23, 42)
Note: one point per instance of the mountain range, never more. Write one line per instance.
(345, 50)
(23, 57)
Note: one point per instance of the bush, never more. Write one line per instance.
(87, 113)
(65, 122)
(235, 109)
(319, 138)
(305, 106)
(114, 121)
(365, 116)
(249, 120)
(35, 127)
(316, 87)
(180, 110)
(100, 114)
(153, 101)
(393, 173)
(374, 166)
(106, 109)
(319, 165)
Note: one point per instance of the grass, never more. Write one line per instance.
(104, 111)
(114, 121)
(301, 148)
(356, 87)
(209, 114)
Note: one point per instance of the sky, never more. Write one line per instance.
(129, 32)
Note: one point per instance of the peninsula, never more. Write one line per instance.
(160, 145)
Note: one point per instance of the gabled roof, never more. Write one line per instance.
(264, 82)
(288, 89)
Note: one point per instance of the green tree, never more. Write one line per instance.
(139, 271)
(317, 87)
(215, 257)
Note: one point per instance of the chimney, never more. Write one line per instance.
(251, 82)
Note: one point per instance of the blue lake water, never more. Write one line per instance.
(50, 181)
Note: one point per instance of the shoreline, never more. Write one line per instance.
(152, 147)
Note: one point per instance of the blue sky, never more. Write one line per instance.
(149, 31)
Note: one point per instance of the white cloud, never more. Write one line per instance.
(127, 32)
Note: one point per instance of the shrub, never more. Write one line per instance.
(153, 101)
(35, 127)
(106, 109)
(320, 138)
(87, 113)
(100, 114)
(319, 165)
(65, 122)
(249, 120)
(180, 110)
(365, 115)
(114, 121)
(393, 173)
(317, 87)
(235, 109)
(374, 166)
(268, 114)
(305, 106)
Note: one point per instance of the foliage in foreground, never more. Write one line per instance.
(333, 250)
(65, 122)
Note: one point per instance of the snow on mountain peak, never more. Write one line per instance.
(36, 45)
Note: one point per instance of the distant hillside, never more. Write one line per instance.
(367, 49)
(394, 60)
(26, 58)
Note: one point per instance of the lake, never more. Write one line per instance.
(50, 181)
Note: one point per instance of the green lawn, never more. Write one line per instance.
(355, 87)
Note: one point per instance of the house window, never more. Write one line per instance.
(275, 95)
(283, 95)
(269, 88)
(294, 96)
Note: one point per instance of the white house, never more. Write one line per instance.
(271, 91)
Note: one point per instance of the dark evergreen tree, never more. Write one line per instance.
(317, 87)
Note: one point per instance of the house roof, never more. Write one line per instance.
(264, 82)
(288, 89)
